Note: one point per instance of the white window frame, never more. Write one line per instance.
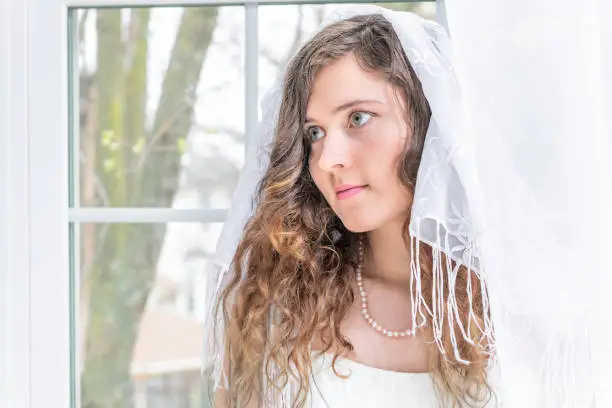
(14, 234)
(34, 210)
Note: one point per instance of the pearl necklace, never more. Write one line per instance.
(364, 305)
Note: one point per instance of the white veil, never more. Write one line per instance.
(538, 94)
(519, 196)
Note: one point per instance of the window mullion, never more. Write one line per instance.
(145, 215)
(251, 78)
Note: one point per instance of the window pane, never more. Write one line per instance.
(283, 28)
(141, 301)
(161, 106)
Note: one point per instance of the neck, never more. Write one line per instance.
(387, 255)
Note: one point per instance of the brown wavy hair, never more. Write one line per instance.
(291, 276)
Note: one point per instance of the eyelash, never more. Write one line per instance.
(361, 111)
(373, 115)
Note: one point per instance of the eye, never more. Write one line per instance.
(359, 119)
(315, 133)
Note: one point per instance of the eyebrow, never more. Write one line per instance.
(348, 105)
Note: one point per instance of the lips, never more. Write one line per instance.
(347, 191)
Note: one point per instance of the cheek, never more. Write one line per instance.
(383, 161)
(392, 192)
(316, 174)
(384, 158)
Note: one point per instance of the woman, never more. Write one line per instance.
(356, 281)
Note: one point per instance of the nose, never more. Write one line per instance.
(335, 153)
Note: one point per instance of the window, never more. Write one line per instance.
(123, 133)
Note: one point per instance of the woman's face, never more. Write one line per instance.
(355, 120)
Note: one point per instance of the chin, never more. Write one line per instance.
(357, 229)
(356, 225)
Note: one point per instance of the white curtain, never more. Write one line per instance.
(537, 80)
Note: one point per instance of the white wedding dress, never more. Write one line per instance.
(368, 387)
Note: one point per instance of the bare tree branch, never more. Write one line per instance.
(235, 134)
(297, 36)
(266, 54)
(293, 48)
(162, 130)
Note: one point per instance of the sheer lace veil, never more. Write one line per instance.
(537, 98)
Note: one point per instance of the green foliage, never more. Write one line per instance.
(181, 145)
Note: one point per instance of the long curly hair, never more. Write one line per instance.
(292, 274)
